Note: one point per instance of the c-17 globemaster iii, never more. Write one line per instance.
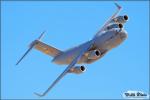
(109, 36)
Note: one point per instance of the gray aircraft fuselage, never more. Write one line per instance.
(103, 42)
(109, 36)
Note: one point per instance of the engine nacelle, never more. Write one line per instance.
(111, 26)
(94, 54)
(120, 19)
(77, 70)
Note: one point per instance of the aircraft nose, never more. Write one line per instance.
(123, 35)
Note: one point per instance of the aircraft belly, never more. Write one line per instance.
(69, 55)
(67, 59)
(104, 43)
(112, 43)
(108, 41)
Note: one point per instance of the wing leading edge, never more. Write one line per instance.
(76, 59)
(108, 21)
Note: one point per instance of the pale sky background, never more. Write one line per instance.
(68, 24)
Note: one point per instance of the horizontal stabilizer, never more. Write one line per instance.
(30, 48)
(49, 50)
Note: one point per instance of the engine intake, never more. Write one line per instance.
(94, 54)
(125, 17)
(120, 25)
(111, 26)
(77, 70)
(120, 19)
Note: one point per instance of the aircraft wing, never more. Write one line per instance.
(108, 21)
(72, 64)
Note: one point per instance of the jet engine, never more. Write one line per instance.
(94, 54)
(77, 69)
(120, 19)
(111, 26)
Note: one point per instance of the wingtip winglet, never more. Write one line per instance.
(117, 5)
(39, 95)
(40, 37)
(16, 63)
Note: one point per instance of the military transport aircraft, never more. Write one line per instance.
(109, 36)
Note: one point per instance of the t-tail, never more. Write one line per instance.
(41, 46)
